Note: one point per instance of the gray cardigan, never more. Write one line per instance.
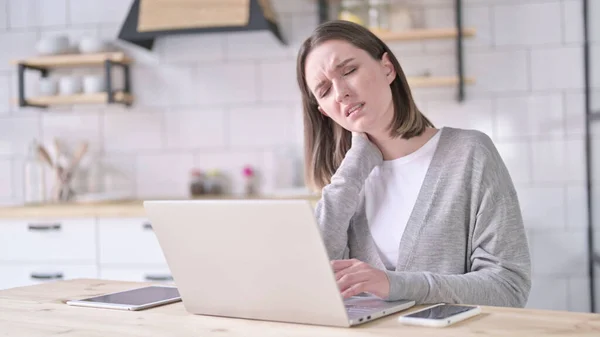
(464, 241)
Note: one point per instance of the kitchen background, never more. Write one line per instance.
(227, 100)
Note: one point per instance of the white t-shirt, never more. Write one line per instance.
(391, 191)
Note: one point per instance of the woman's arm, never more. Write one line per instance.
(500, 265)
(340, 198)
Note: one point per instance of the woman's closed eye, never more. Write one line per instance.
(324, 92)
(349, 71)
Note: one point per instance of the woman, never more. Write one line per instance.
(407, 211)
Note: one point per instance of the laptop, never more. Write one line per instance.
(256, 259)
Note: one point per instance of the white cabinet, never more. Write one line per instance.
(53, 240)
(45, 250)
(137, 274)
(17, 275)
(128, 241)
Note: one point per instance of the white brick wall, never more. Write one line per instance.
(222, 101)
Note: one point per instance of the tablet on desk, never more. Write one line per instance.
(134, 299)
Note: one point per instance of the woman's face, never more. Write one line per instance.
(350, 86)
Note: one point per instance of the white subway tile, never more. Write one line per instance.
(16, 133)
(3, 15)
(257, 45)
(542, 207)
(548, 293)
(579, 294)
(94, 11)
(197, 128)
(22, 45)
(573, 20)
(117, 173)
(497, 71)
(548, 158)
(575, 160)
(575, 113)
(595, 161)
(193, 48)
(278, 82)
(37, 13)
(559, 252)
(576, 206)
(4, 95)
(470, 114)
(526, 116)
(595, 69)
(557, 68)
(513, 24)
(6, 186)
(230, 165)
(227, 83)
(261, 126)
(133, 131)
(516, 156)
(164, 85)
(72, 129)
(594, 12)
(163, 175)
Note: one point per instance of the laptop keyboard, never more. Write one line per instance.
(357, 309)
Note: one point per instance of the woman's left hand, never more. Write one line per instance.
(354, 277)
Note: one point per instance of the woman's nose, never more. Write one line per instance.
(342, 91)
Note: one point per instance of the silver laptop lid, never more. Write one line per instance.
(256, 259)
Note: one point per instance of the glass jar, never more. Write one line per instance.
(379, 15)
(356, 11)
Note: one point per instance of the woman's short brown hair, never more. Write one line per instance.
(326, 142)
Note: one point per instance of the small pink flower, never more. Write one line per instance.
(248, 171)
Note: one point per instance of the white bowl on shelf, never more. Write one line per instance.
(93, 84)
(92, 45)
(53, 45)
(70, 85)
(48, 86)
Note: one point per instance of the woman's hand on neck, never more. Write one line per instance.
(394, 148)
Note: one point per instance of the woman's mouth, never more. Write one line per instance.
(354, 109)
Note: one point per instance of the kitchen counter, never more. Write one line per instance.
(123, 208)
(40, 310)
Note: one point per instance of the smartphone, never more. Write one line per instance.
(440, 315)
(133, 299)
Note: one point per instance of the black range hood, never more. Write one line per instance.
(259, 19)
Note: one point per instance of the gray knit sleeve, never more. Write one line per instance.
(340, 199)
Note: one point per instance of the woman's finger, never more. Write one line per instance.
(357, 266)
(349, 280)
(338, 265)
(355, 289)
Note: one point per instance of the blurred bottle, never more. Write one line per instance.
(213, 183)
(196, 183)
(34, 182)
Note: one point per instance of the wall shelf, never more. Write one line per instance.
(458, 33)
(107, 60)
(96, 98)
(75, 60)
(437, 81)
(421, 34)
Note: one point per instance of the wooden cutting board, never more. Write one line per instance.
(184, 14)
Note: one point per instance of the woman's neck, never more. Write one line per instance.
(394, 148)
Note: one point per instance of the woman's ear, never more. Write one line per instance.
(388, 66)
(323, 112)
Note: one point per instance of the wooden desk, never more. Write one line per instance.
(40, 310)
